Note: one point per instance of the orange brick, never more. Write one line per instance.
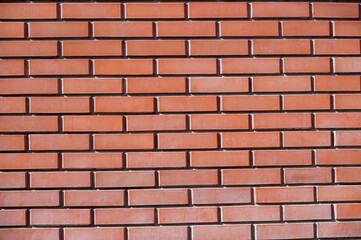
(156, 122)
(305, 28)
(12, 218)
(281, 47)
(250, 213)
(12, 142)
(337, 83)
(58, 67)
(186, 66)
(123, 67)
(124, 179)
(250, 139)
(33, 198)
(187, 140)
(250, 103)
(187, 103)
(307, 175)
(160, 233)
(338, 193)
(251, 176)
(12, 180)
(12, 30)
(24, 233)
(218, 121)
(12, 105)
(79, 198)
(249, 65)
(123, 141)
(280, 10)
(217, 10)
(59, 179)
(221, 195)
(92, 123)
(348, 138)
(219, 159)
(58, 29)
(218, 47)
(284, 231)
(307, 212)
(124, 216)
(110, 233)
(347, 65)
(123, 29)
(306, 102)
(336, 47)
(156, 85)
(13, 161)
(156, 159)
(188, 177)
(154, 10)
(91, 85)
(28, 48)
(155, 47)
(59, 217)
(282, 157)
(186, 29)
(92, 160)
(90, 10)
(281, 84)
(307, 139)
(338, 120)
(92, 48)
(12, 68)
(28, 86)
(187, 215)
(284, 194)
(335, 10)
(28, 123)
(59, 142)
(218, 84)
(348, 174)
(145, 197)
(123, 104)
(214, 232)
(307, 65)
(281, 120)
(338, 229)
(59, 104)
(347, 28)
(248, 28)
(28, 11)
(348, 211)
(338, 156)
(347, 101)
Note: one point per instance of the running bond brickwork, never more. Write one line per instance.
(180, 120)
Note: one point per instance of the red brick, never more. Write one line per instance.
(284, 194)
(284, 231)
(305, 28)
(59, 105)
(251, 176)
(347, 65)
(92, 48)
(221, 232)
(186, 29)
(122, 216)
(219, 159)
(123, 67)
(33, 198)
(307, 139)
(59, 142)
(337, 83)
(335, 10)
(28, 86)
(348, 174)
(91, 85)
(92, 160)
(336, 47)
(281, 47)
(58, 67)
(12, 142)
(59, 217)
(347, 101)
(282, 157)
(141, 197)
(281, 120)
(26, 233)
(348, 138)
(249, 65)
(348, 211)
(187, 215)
(250, 140)
(28, 11)
(28, 48)
(218, 84)
(123, 141)
(154, 10)
(28, 123)
(250, 103)
(217, 10)
(156, 122)
(218, 47)
(156, 159)
(183, 66)
(124, 179)
(160, 233)
(187, 140)
(59, 179)
(12, 180)
(12, 68)
(338, 229)
(338, 193)
(123, 104)
(123, 29)
(111, 233)
(218, 121)
(250, 213)
(187, 103)
(90, 10)
(307, 65)
(280, 10)
(14, 161)
(81, 123)
(12, 30)
(58, 29)
(248, 28)
(281, 84)
(307, 175)
(155, 47)
(306, 102)
(12, 218)
(12, 105)
(338, 120)
(347, 28)
(80, 198)
(188, 177)
(156, 85)
(307, 212)
(338, 156)
(221, 195)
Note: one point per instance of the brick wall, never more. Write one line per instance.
(182, 120)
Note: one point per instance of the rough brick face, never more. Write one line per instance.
(183, 120)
